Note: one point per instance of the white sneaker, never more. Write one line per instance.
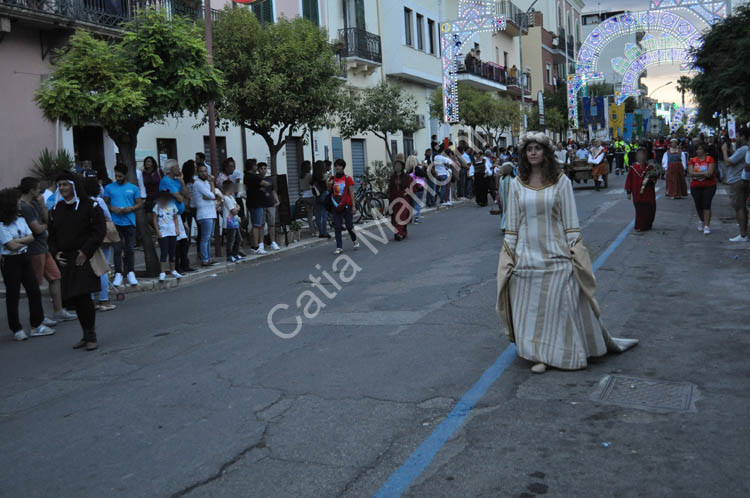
(701, 226)
(338, 251)
(64, 315)
(118, 280)
(20, 336)
(260, 250)
(131, 279)
(275, 246)
(49, 322)
(41, 331)
(356, 245)
(706, 230)
(176, 274)
(738, 238)
(162, 277)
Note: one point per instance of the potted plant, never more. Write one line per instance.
(49, 165)
(295, 230)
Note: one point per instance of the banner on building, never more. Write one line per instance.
(627, 133)
(594, 113)
(616, 120)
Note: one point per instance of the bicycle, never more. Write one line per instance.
(367, 200)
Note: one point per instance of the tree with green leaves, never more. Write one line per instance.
(380, 110)
(280, 77)
(486, 111)
(721, 85)
(158, 69)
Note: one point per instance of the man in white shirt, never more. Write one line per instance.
(582, 153)
(442, 164)
(561, 156)
(204, 200)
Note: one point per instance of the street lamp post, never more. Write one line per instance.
(659, 88)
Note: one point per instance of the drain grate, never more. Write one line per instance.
(645, 394)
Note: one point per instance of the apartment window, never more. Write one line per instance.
(221, 150)
(505, 59)
(310, 11)
(431, 35)
(264, 12)
(549, 73)
(166, 148)
(420, 32)
(408, 26)
(354, 14)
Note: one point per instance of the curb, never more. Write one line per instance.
(223, 268)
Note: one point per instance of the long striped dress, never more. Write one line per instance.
(555, 319)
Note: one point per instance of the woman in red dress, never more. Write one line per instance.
(674, 163)
(640, 186)
(399, 187)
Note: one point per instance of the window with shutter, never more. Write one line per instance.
(264, 12)
(310, 11)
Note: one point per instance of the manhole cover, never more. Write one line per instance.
(645, 394)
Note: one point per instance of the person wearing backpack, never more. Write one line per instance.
(341, 189)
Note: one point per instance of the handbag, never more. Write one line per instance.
(112, 237)
(99, 263)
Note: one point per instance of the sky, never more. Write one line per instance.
(657, 75)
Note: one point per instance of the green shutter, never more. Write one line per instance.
(310, 11)
(264, 12)
(360, 12)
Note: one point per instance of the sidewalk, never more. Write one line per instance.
(221, 267)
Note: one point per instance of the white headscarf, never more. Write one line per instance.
(75, 199)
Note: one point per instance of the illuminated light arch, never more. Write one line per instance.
(683, 33)
(652, 58)
(677, 120)
(710, 11)
(474, 16)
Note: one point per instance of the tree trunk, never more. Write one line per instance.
(126, 145)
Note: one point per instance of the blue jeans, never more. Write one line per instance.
(104, 293)
(469, 187)
(418, 203)
(431, 191)
(340, 217)
(443, 185)
(256, 216)
(321, 215)
(206, 229)
(126, 244)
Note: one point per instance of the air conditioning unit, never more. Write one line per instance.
(420, 121)
(555, 41)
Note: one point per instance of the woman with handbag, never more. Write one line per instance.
(93, 190)
(76, 232)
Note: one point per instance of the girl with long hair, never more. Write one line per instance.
(703, 185)
(546, 286)
(17, 270)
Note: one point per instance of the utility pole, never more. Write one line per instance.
(212, 118)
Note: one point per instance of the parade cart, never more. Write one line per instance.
(580, 171)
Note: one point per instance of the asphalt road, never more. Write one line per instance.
(191, 394)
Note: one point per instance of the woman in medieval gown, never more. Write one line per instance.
(674, 163)
(640, 186)
(546, 286)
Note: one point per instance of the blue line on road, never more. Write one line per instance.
(418, 461)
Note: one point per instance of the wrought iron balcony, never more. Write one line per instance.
(571, 46)
(106, 13)
(360, 43)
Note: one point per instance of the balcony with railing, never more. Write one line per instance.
(513, 16)
(98, 15)
(360, 49)
(483, 75)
